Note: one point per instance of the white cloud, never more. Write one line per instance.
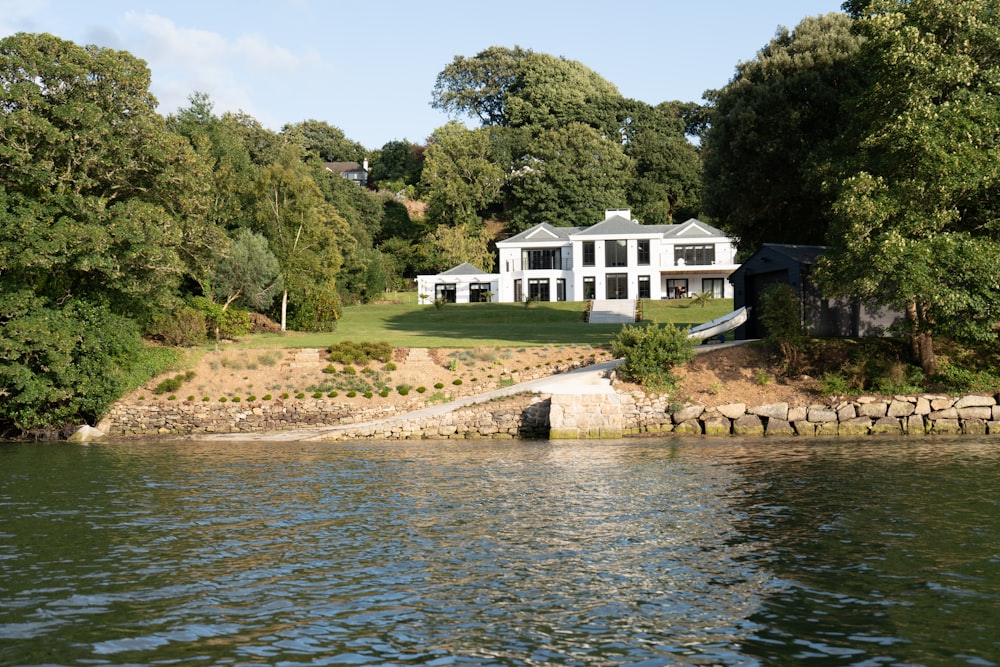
(185, 60)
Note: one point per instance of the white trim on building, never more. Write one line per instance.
(617, 258)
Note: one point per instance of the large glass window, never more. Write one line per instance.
(643, 252)
(615, 253)
(677, 288)
(589, 287)
(643, 287)
(560, 289)
(518, 294)
(479, 292)
(445, 292)
(713, 286)
(617, 285)
(545, 258)
(538, 289)
(699, 255)
(589, 257)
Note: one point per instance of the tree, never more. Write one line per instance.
(774, 129)
(479, 86)
(450, 245)
(917, 216)
(571, 177)
(89, 175)
(459, 175)
(326, 142)
(248, 274)
(398, 162)
(666, 185)
(304, 232)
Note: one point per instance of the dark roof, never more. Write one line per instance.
(463, 269)
(803, 254)
(543, 231)
(343, 167)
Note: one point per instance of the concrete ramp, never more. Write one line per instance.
(612, 311)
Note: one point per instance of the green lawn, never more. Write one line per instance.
(407, 324)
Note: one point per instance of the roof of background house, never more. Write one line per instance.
(803, 254)
(463, 269)
(343, 167)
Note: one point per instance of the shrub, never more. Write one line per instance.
(421, 389)
(317, 394)
(191, 397)
(168, 385)
(403, 389)
(185, 327)
(172, 397)
(223, 399)
(251, 398)
(333, 394)
(205, 399)
(439, 385)
(390, 366)
(368, 394)
(780, 313)
(349, 370)
(651, 352)
(236, 399)
(348, 352)
(457, 381)
(384, 393)
(266, 397)
(352, 394)
(284, 395)
(300, 395)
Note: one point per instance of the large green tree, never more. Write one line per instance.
(917, 217)
(97, 199)
(666, 183)
(460, 177)
(572, 175)
(774, 129)
(305, 233)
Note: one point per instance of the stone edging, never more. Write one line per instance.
(609, 414)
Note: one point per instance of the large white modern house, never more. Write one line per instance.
(617, 258)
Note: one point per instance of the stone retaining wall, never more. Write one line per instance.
(608, 415)
(865, 415)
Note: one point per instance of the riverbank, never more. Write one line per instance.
(528, 393)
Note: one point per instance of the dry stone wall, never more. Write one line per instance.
(607, 415)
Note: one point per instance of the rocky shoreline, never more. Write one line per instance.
(571, 414)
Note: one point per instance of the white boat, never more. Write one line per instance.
(719, 325)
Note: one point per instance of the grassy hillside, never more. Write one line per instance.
(406, 324)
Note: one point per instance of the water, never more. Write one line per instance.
(479, 553)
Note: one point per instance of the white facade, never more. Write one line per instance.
(462, 284)
(616, 259)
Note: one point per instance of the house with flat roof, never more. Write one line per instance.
(616, 258)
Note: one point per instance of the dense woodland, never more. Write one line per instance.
(874, 131)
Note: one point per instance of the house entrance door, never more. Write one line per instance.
(617, 286)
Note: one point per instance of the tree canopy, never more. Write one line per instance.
(775, 128)
(917, 215)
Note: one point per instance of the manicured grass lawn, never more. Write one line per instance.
(407, 324)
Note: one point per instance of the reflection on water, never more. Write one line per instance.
(650, 552)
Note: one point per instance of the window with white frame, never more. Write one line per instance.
(697, 255)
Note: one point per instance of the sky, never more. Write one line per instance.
(368, 67)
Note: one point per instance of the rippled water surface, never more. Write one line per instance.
(474, 553)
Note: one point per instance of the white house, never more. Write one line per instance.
(617, 258)
(462, 284)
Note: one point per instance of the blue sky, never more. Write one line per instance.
(369, 66)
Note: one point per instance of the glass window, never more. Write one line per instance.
(713, 286)
(545, 258)
(518, 296)
(589, 258)
(643, 287)
(560, 289)
(615, 253)
(677, 288)
(445, 292)
(589, 288)
(698, 255)
(643, 252)
(538, 289)
(479, 293)
(617, 285)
